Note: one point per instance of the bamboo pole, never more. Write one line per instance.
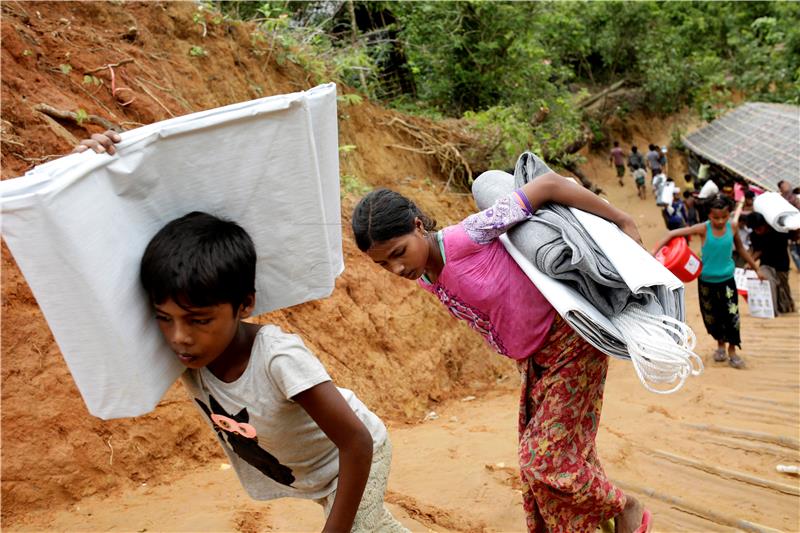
(727, 474)
(711, 516)
(780, 440)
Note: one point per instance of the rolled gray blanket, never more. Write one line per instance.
(554, 241)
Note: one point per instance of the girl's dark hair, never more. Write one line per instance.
(721, 202)
(199, 260)
(384, 214)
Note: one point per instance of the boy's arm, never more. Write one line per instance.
(551, 187)
(697, 229)
(336, 419)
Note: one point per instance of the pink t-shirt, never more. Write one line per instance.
(619, 157)
(481, 284)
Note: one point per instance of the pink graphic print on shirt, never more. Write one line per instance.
(476, 320)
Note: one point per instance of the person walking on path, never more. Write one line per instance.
(287, 430)
(771, 248)
(617, 156)
(565, 488)
(635, 159)
(639, 176)
(654, 160)
(719, 301)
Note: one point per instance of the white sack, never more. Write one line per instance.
(665, 194)
(77, 227)
(778, 213)
(708, 190)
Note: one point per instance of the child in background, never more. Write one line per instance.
(635, 159)
(770, 247)
(675, 213)
(639, 175)
(286, 429)
(691, 210)
(654, 160)
(472, 274)
(719, 301)
(617, 157)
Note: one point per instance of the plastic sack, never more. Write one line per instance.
(77, 227)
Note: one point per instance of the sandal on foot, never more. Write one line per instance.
(647, 516)
(720, 356)
(735, 361)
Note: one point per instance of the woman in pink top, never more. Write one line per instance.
(472, 274)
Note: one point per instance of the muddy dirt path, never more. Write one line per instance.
(703, 459)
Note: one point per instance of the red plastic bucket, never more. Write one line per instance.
(680, 259)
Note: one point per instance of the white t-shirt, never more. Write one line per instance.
(273, 444)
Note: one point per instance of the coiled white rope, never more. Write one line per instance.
(661, 348)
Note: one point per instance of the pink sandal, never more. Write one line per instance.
(647, 516)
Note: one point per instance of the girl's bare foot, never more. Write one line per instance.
(630, 519)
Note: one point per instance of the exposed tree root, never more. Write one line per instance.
(71, 115)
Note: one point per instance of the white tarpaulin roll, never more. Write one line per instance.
(77, 227)
(778, 213)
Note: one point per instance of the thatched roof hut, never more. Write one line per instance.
(756, 141)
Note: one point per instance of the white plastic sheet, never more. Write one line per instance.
(759, 298)
(778, 213)
(77, 227)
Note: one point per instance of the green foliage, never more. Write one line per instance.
(80, 116)
(473, 55)
(676, 138)
(349, 99)
(65, 68)
(91, 80)
(507, 130)
(197, 51)
(350, 184)
(517, 69)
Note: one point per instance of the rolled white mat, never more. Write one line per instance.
(778, 213)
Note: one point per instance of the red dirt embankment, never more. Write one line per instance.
(400, 357)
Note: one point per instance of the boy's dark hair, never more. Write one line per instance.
(634, 149)
(781, 183)
(687, 194)
(796, 190)
(616, 143)
(749, 194)
(755, 220)
(384, 214)
(721, 202)
(199, 260)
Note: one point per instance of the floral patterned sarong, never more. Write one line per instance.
(564, 486)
